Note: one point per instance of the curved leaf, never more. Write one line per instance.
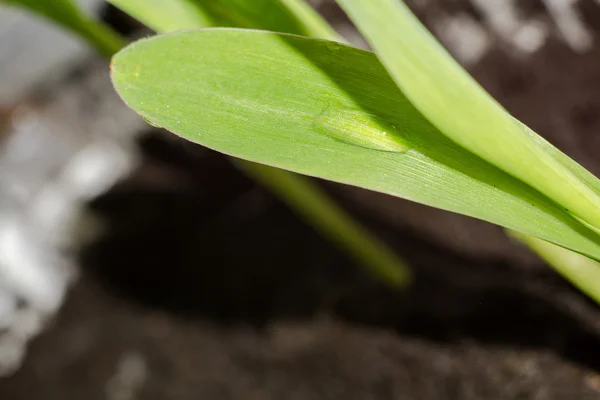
(328, 110)
(453, 101)
(165, 16)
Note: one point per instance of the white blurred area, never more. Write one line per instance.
(58, 153)
(499, 22)
(502, 22)
(55, 154)
(33, 51)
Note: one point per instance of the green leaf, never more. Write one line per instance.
(576, 268)
(66, 14)
(314, 25)
(327, 110)
(448, 97)
(298, 192)
(165, 16)
(286, 16)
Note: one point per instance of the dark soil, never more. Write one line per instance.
(206, 287)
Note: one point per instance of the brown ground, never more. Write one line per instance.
(211, 289)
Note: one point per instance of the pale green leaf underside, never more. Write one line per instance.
(579, 270)
(275, 99)
(452, 100)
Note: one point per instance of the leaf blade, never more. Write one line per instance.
(274, 87)
(164, 17)
(453, 101)
(298, 192)
(286, 16)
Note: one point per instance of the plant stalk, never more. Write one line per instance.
(308, 200)
(102, 38)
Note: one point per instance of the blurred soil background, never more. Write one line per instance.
(203, 286)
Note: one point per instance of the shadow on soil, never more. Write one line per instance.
(217, 247)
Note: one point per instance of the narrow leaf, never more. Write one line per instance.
(448, 97)
(328, 110)
(576, 268)
(165, 16)
(286, 16)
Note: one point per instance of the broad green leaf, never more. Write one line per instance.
(328, 110)
(576, 268)
(165, 15)
(448, 97)
(66, 14)
(301, 195)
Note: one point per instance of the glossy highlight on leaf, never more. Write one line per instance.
(287, 16)
(360, 129)
(257, 95)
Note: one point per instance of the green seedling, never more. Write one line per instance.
(285, 16)
(295, 16)
(406, 120)
(287, 100)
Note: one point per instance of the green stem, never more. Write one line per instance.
(102, 38)
(308, 200)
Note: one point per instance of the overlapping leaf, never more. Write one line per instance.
(286, 16)
(328, 110)
(448, 97)
(165, 16)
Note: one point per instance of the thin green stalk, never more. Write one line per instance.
(66, 14)
(162, 17)
(314, 25)
(308, 200)
(581, 271)
(101, 37)
(301, 195)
